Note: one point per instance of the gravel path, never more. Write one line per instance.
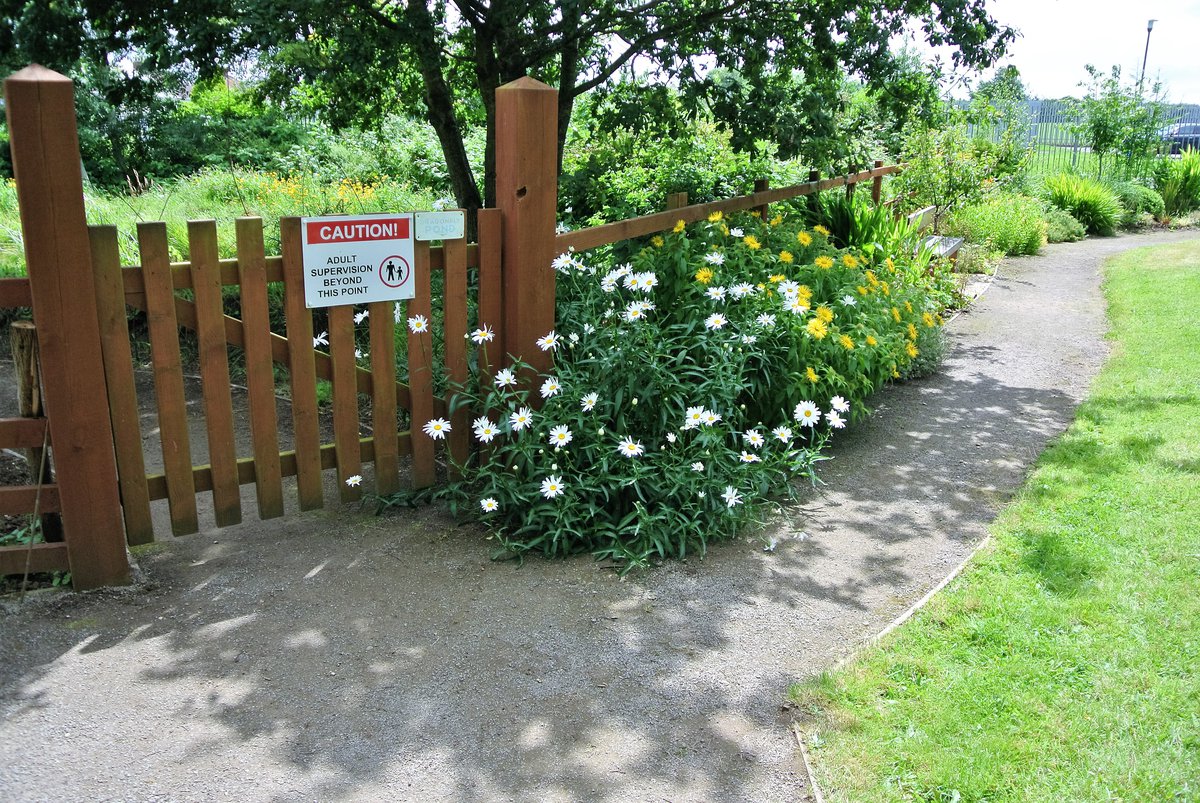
(336, 656)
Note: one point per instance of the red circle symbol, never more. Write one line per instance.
(394, 270)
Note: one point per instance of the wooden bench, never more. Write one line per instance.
(946, 247)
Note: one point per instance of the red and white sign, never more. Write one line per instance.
(357, 260)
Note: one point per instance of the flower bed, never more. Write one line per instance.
(690, 386)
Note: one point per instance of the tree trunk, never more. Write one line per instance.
(439, 102)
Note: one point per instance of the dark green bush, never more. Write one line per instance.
(1012, 224)
(1061, 227)
(1090, 202)
(1137, 201)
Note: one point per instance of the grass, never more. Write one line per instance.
(1063, 664)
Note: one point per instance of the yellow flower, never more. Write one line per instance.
(896, 314)
(761, 286)
(911, 348)
(895, 373)
(812, 375)
(715, 217)
(724, 229)
(927, 319)
(816, 327)
(941, 321)
(752, 242)
(823, 262)
(755, 213)
(704, 275)
(804, 293)
(775, 278)
(786, 257)
(891, 266)
(871, 341)
(887, 291)
(775, 221)
(912, 331)
(824, 314)
(871, 279)
(657, 241)
(862, 291)
(908, 306)
(849, 260)
(821, 230)
(846, 342)
(679, 226)
(804, 238)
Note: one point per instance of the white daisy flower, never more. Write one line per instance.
(766, 319)
(560, 436)
(588, 329)
(562, 263)
(782, 434)
(795, 305)
(715, 321)
(716, 293)
(789, 288)
(742, 290)
(609, 283)
(359, 317)
(839, 404)
(835, 420)
(633, 281)
(549, 342)
(849, 300)
(437, 428)
(807, 414)
(736, 232)
(698, 467)
(710, 418)
(649, 281)
(550, 387)
(489, 505)
(589, 401)
(354, 481)
(749, 457)
(749, 340)
(631, 448)
(506, 378)
(552, 486)
(693, 418)
(672, 437)
(731, 496)
(485, 430)
(483, 334)
(521, 419)
(714, 258)
(321, 340)
(754, 438)
(418, 324)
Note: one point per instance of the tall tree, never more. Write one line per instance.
(358, 58)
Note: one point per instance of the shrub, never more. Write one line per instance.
(1137, 201)
(1089, 202)
(945, 168)
(1178, 181)
(1011, 224)
(1061, 227)
(689, 387)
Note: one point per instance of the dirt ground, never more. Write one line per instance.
(340, 656)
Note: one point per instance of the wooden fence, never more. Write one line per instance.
(81, 296)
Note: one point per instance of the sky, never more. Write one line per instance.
(1058, 37)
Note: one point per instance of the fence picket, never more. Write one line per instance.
(491, 302)
(454, 316)
(382, 330)
(214, 371)
(345, 399)
(260, 372)
(122, 393)
(302, 369)
(168, 377)
(420, 373)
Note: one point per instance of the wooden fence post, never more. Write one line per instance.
(877, 185)
(46, 166)
(764, 211)
(527, 195)
(850, 185)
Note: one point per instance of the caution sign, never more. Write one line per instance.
(356, 260)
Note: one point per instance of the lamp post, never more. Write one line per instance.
(1145, 53)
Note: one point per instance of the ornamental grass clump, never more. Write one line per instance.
(1090, 202)
(690, 386)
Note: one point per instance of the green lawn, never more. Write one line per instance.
(1064, 664)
